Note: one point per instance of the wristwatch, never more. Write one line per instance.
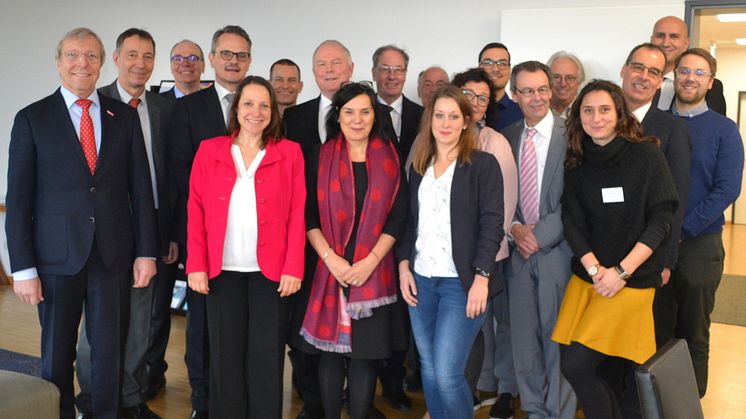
(592, 270)
(480, 271)
(622, 273)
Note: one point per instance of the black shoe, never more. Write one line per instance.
(85, 415)
(199, 414)
(141, 411)
(155, 385)
(413, 381)
(306, 414)
(398, 399)
(374, 413)
(503, 409)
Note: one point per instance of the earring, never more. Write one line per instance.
(464, 128)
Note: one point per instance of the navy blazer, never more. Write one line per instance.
(477, 213)
(56, 208)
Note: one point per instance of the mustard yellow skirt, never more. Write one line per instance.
(619, 326)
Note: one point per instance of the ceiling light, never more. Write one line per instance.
(732, 17)
(741, 41)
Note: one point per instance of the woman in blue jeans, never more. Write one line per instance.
(448, 252)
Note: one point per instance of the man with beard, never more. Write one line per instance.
(494, 58)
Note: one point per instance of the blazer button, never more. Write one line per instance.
(263, 222)
(93, 189)
(260, 181)
(261, 243)
(91, 220)
(262, 201)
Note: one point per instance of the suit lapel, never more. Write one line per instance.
(61, 113)
(555, 157)
(108, 129)
(214, 110)
(154, 114)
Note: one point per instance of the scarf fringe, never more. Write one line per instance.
(325, 345)
(362, 309)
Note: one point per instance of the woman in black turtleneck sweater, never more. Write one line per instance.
(617, 209)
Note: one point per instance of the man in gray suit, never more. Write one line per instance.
(539, 265)
(135, 57)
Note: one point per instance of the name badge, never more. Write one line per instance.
(612, 195)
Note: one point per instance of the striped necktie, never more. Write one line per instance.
(529, 180)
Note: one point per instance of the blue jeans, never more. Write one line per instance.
(444, 337)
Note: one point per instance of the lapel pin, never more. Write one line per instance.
(110, 112)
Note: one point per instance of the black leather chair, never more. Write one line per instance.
(666, 384)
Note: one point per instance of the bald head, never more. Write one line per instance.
(672, 35)
(429, 81)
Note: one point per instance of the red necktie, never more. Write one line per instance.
(134, 102)
(87, 135)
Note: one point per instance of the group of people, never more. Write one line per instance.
(539, 245)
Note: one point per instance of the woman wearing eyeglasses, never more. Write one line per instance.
(617, 210)
(354, 217)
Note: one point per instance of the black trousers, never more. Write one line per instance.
(247, 326)
(695, 280)
(105, 295)
(197, 357)
(160, 321)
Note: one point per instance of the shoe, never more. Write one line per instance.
(398, 399)
(305, 414)
(374, 413)
(412, 382)
(477, 403)
(199, 414)
(503, 409)
(155, 385)
(484, 399)
(85, 415)
(141, 411)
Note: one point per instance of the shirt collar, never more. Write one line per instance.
(324, 102)
(544, 127)
(395, 105)
(71, 97)
(505, 101)
(126, 97)
(640, 112)
(222, 91)
(699, 110)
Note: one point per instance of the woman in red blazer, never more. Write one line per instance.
(246, 238)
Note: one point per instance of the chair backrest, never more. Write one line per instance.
(666, 384)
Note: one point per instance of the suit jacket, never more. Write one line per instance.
(56, 208)
(411, 113)
(676, 144)
(160, 112)
(476, 219)
(714, 98)
(197, 117)
(301, 123)
(169, 94)
(554, 256)
(280, 196)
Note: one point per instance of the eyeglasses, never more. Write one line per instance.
(74, 55)
(482, 100)
(396, 69)
(501, 64)
(640, 68)
(228, 55)
(569, 78)
(698, 73)
(180, 59)
(528, 92)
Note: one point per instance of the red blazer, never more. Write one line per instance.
(280, 196)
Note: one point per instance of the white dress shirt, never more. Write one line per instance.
(541, 145)
(239, 249)
(640, 112)
(325, 105)
(396, 110)
(433, 246)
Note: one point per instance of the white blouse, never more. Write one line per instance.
(433, 247)
(239, 249)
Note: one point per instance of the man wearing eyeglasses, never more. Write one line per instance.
(187, 66)
(134, 57)
(494, 58)
(642, 75)
(538, 269)
(80, 221)
(197, 117)
(567, 76)
(672, 34)
(715, 183)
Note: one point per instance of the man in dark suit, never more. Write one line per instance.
(80, 221)
(187, 66)
(672, 35)
(305, 124)
(642, 75)
(197, 117)
(134, 57)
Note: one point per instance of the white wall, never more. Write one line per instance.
(433, 32)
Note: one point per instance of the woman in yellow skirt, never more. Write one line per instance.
(617, 210)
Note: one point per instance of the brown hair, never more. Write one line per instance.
(699, 52)
(627, 125)
(274, 129)
(424, 151)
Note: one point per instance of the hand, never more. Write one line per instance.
(198, 282)
(338, 267)
(29, 291)
(666, 276)
(288, 285)
(525, 240)
(173, 254)
(476, 301)
(609, 283)
(360, 271)
(407, 284)
(143, 270)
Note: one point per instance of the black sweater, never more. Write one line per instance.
(610, 230)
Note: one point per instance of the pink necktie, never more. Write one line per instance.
(529, 182)
(87, 135)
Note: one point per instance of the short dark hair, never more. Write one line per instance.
(381, 50)
(345, 94)
(645, 45)
(283, 61)
(699, 52)
(273, 131)
(530, 67)
(493, 45)
(143, 34)
(233, 29)
(477, 75)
